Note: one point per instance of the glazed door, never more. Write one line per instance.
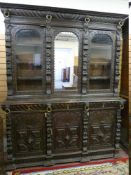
(28, 59)
(101, 60)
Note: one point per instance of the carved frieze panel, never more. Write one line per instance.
(67, 127)
(28, 133)
(28, 107)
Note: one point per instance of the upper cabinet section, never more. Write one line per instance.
(54, 51)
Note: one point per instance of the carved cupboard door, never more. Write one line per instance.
(67, 128)
(28, 134)
(102, 129)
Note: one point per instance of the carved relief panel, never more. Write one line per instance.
(101, 129)
(67, 128)
(28, 133)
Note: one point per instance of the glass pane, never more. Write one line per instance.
(66, 62)
(100, 62)
(28, 36)
(28, 63)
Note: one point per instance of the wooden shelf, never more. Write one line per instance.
(29, 78)
(28, 44)
(100, 62)
(99, 78)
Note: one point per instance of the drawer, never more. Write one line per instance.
(102, 105)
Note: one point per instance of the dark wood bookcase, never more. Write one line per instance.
(48, 120)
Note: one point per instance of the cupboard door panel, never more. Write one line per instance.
(28, 134)
(67, 127)
(101, 129)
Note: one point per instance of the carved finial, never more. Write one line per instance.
(7, 110)
(49, 108)
(120, 24)
(87, 107)
(87, 19)
(7, 13)
(86, 22)
(48, 18)
(121, 106)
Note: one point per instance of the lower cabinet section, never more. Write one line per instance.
(46, 134)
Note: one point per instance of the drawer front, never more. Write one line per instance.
(67, 131)
(103, 105)
(102, 129)
(28, 133)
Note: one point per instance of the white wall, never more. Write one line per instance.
(65, 58)
(116, 6)
(68, 44)
(113, 6)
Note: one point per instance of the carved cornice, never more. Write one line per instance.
(77, 15)
(61, 10)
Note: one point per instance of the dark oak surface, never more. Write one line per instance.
(44, 126)
(124, 89)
